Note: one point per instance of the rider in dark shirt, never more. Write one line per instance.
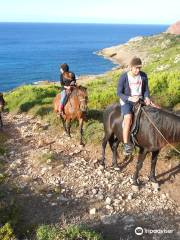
(67, 81)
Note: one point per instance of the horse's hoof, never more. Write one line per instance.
(135, 188)
(81, 146)
(67, 135)
(135, 182)
(115, 166)
(155, 186)
(102, 164)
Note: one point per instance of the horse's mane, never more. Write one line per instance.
(162, 112)
(164, 119)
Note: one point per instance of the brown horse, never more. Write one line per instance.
(2, 103)
(75, 108)
(149, 140)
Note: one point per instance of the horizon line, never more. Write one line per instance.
(110, 23)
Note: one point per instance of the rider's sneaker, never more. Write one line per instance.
(128, 149)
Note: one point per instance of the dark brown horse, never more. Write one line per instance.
(148, 138)
(2, 103)
(75, 108)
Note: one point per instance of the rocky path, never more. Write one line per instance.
(59, 182)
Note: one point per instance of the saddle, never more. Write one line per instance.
(68, 94)
(137, 109)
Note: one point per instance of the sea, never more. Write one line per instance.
(32, 52)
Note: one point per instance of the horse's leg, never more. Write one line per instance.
(64, 123)
(114, 150)
(141, 157)
(114, 143)
(81, 130)
(115, 154)
(68, 126)
(104, 143)
(152, 177)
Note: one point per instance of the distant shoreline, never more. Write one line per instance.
(26, 70)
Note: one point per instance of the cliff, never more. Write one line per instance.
(174, 28)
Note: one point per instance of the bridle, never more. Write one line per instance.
(80, 100)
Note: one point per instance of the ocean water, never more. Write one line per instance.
(31, 52)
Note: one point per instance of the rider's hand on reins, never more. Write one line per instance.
(147, 101)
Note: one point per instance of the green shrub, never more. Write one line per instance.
(70, 233)
(165, 87)
(47, 233)
(6, 232)
(24, 98)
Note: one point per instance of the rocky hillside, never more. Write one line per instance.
(174, 28)
(158, 52)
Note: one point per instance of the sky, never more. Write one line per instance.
(91, 11)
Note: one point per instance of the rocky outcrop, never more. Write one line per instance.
(174, 28)
(123, 53)
(151, 49)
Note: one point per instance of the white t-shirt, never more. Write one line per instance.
(135, 84)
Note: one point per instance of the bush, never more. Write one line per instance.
(165, 87)
(6, 232)
(24, 98)
(70, 233)
(102, 92)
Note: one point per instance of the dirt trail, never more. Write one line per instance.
(59, 182)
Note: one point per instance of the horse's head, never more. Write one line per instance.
(82, 97)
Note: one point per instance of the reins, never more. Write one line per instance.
(175, 149)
